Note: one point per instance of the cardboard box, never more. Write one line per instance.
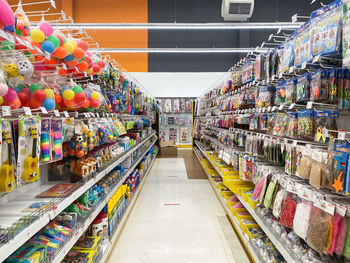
(168, 149)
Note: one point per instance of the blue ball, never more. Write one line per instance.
(69, 58)
(49, 104)
(17, 89)
(88, 93)
(64, 88)
(48, 46)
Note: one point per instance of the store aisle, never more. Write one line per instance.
(177, 220)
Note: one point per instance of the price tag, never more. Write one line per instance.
(27, 111)
(57, 113)
(85, 74)
(285, 140)
(280, 75)
(291, 106)
(91, 77)
(269, 108)
(273, 78)
(295, 18)
(341, 210)
(316, 59)
(280, 107)
(64, 66)
(295, 143)
(273, 108)
(341, 135)
(291, 69)
(43, 110)
(303, 66)
(92, 114)
(65, 113)
(86, 115)
(97, 115)
(6, 111)
(309, 105)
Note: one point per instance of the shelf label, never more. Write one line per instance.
(303, 66)
(65, 113)
(43, 110)
(309, 105)
(57, 113)
(6, 111)
(291, 106)
(27, 111)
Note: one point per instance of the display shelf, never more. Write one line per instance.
(110, 245)
(279, 244)
(285, 252)
(244, 238)
(15, 207)
(81, 230)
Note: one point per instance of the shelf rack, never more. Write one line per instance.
(110, 245)
(13, 244)
(279, 244)
(249, 246)
(84, 226)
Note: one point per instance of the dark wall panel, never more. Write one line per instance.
(209, 11)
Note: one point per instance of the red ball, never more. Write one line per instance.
(23, 97)
(88, 61)
(62, 72)
(80, 97)
(61, 40)
(86, 95)
(72, 63)
(94, 104)
(39, 95)
(96, 68)
(69, 103)
(101, 63)
(34, 104)
(82, 66)
(83, 45)
(87, 104)
(58, 99)
(79, 53)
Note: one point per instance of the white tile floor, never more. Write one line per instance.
(195, 230)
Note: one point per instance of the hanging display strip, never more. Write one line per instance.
(85, 225)
(107, 250)
(242, 235)
(57, 205)
(288, 254)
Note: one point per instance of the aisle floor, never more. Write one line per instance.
(177, 220)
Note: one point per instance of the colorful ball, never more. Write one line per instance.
(58, 99)
(23, 97)
(62, 72)
(60, 52)
(3, 89)
(94, 104)
(61, 39)
(95, 95)
(73, 63)
(75, 45)
(69, 103)
(49, 93)
(39, 95)
(10, 95)
(83, 45)
(49, 104)
(68, 47)
(6, 14)
(37, 35)
(68, 94)
(79, 96)
(101, 63)
(48, 46)
(89, 71)
(34, 87)
(86, 105)
(96, 68)
(69, 58)
(78, 89)
(82, 66)
(46, 28)
(79, 53)
(54, 40)
(1, 100)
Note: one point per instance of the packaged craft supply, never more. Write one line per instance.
(305, 164)
(56, 138)
(288, 211)
(45, 144)
(280, 95)
(303, 88)
(306, 123)
(290, 91)
(302, 218)
(302, 45)
(324, 119)
(318, 231)
(290, 159)
(269, 194)
(292, 124)
(278, 202)
(319, 86)
(316, 170)
(265, 98)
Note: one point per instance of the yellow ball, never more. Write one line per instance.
(95, 95)
(49, 93)
(1, 100)
(90, 134)
(73, 43)
(68, 46)
(88, 71)
(37, 35)
(68, 94)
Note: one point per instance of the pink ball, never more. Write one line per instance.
(26, 90)
(6, 14)
(11, 95)
(3, 89)
(87, 54)
(46, 28)
(101, 63)
(83, 44)
(96, 68)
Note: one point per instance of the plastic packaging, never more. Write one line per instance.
(288, 212)
(303, 88)
(306, 123)
(269, 194)
(277, 205)
(302, 218)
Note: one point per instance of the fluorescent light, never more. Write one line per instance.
(177, 50)
(179, 26)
